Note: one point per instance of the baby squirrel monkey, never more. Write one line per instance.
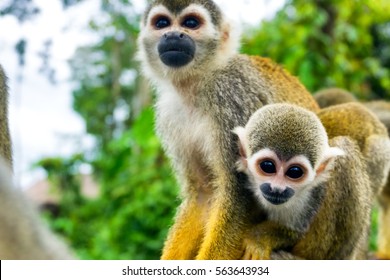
(365, 144)
(316, 206)
(285, 152)
(205, 89)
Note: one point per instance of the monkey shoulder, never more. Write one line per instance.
(245, 83)
(279, 85)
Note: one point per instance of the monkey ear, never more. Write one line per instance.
(328, 159)
(231, 36)
(240, 132)
(242, 164)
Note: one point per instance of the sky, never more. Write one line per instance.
(42, 121)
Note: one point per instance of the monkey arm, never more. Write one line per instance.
(227, 221)
(224, 233)
(266, 237)
(186, 234)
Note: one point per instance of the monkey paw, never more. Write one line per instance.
(256, 251)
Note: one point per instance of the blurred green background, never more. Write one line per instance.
(339, 43)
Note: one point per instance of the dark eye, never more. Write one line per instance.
(162, 22)
(268, 167)
(294, 172)
(191, 22)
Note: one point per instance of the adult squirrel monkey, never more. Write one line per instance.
(188, 49)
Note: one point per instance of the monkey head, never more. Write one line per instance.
(284, 150)
(179, 39)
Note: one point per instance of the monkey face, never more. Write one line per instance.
(276, 181)
(280, 176)
(178, 41)
(284, 150)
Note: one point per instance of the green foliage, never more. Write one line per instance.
(64, 175)
(130, 218)
(108, 85)
(329, 43)
(374, 229)
(138, 194)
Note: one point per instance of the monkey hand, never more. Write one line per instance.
(255, 250)
(263, 239)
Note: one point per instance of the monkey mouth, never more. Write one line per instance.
(176, 50)
(176, 57)
(276, 196)
(275, 199)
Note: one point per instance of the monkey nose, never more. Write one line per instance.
(268, 188)
(174, 35)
